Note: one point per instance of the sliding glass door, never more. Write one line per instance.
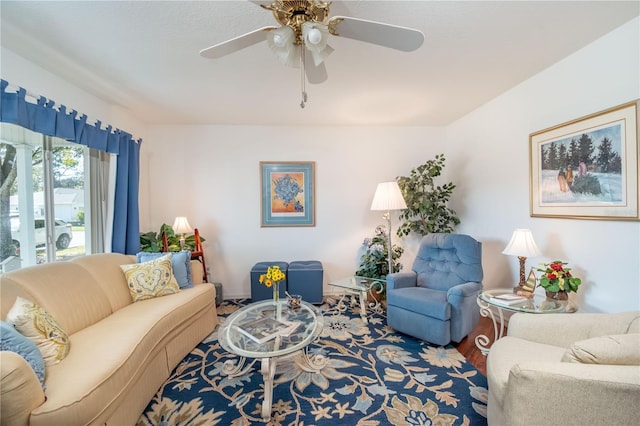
(45, 198)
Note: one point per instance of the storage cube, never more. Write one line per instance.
(304, 277)
(219, 297)
(261, 291)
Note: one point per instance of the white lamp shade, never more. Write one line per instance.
(181, 225)
(388, 197)
(522, 244)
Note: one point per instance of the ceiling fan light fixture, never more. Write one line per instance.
(282, 42)
(315, 38)
(278, 40)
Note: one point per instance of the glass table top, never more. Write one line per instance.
(539, 304)
(358, 283)
(310, 323)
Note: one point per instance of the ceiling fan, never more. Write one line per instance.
(301, 40)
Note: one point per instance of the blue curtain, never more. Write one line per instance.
(43, 118)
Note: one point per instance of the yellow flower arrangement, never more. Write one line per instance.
(273, 275)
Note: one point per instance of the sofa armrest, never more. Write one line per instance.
(401, 280)
(561, 329)
(20, 390)
(557, 392)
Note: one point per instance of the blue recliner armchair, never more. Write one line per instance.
(436, 301)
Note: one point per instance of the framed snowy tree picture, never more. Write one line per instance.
(587, 168)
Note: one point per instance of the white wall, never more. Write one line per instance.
(211, 175)
(488, 151)
(39, 81)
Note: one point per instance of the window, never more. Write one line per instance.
(44, 198)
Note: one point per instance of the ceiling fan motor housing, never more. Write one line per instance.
(294, 13)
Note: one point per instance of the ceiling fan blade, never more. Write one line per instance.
(315, 74)
(235, 44)
(261, 3)
(387, 35)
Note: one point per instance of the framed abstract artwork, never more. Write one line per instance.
(587, 168)
(287, 193)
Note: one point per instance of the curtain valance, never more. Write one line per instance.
(43, 117)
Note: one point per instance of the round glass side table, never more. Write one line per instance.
(495, 309)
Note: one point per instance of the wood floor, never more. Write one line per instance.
(468, 348)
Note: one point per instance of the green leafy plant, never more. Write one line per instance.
(556, 277)
(374, 262)
(427, 209)
(152, 241)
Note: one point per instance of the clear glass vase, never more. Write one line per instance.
(276, 292)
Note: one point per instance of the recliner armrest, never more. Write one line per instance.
(401, 280)
(457, 293)
(465, 289)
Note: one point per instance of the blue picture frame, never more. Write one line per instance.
(287, 193)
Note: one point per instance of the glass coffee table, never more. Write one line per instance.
(359, 287)
(309, 322)
(491, 307)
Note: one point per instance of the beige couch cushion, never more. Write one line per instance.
(105, 268)
(619, 349)
(66, 290)
(109, 356)
(509, 351)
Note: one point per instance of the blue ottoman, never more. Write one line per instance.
(305, 278)
(261, 291)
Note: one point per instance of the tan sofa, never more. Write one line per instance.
(121, 352)
(566, 369)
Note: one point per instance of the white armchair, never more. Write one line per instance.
(566, 369)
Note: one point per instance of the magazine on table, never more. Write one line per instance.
(508, 299)
(264, 329)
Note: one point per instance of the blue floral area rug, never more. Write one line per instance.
(373, 376)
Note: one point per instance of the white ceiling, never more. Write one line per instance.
(143, 55)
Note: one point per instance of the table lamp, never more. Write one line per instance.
(523, 246)
(181, 226)
(388, 197)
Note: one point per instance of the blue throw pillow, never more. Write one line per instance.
(180, 263)
(11, 340)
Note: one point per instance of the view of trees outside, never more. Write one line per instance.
(67, 172)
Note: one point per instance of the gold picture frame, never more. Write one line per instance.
(587, 168)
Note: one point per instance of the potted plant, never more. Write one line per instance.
(557, 280)
(427, 209)
(152, 241)
(374, 262)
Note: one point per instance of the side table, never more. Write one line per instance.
(489, 307)
(359, 287)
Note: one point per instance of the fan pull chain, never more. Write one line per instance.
(303, 83)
